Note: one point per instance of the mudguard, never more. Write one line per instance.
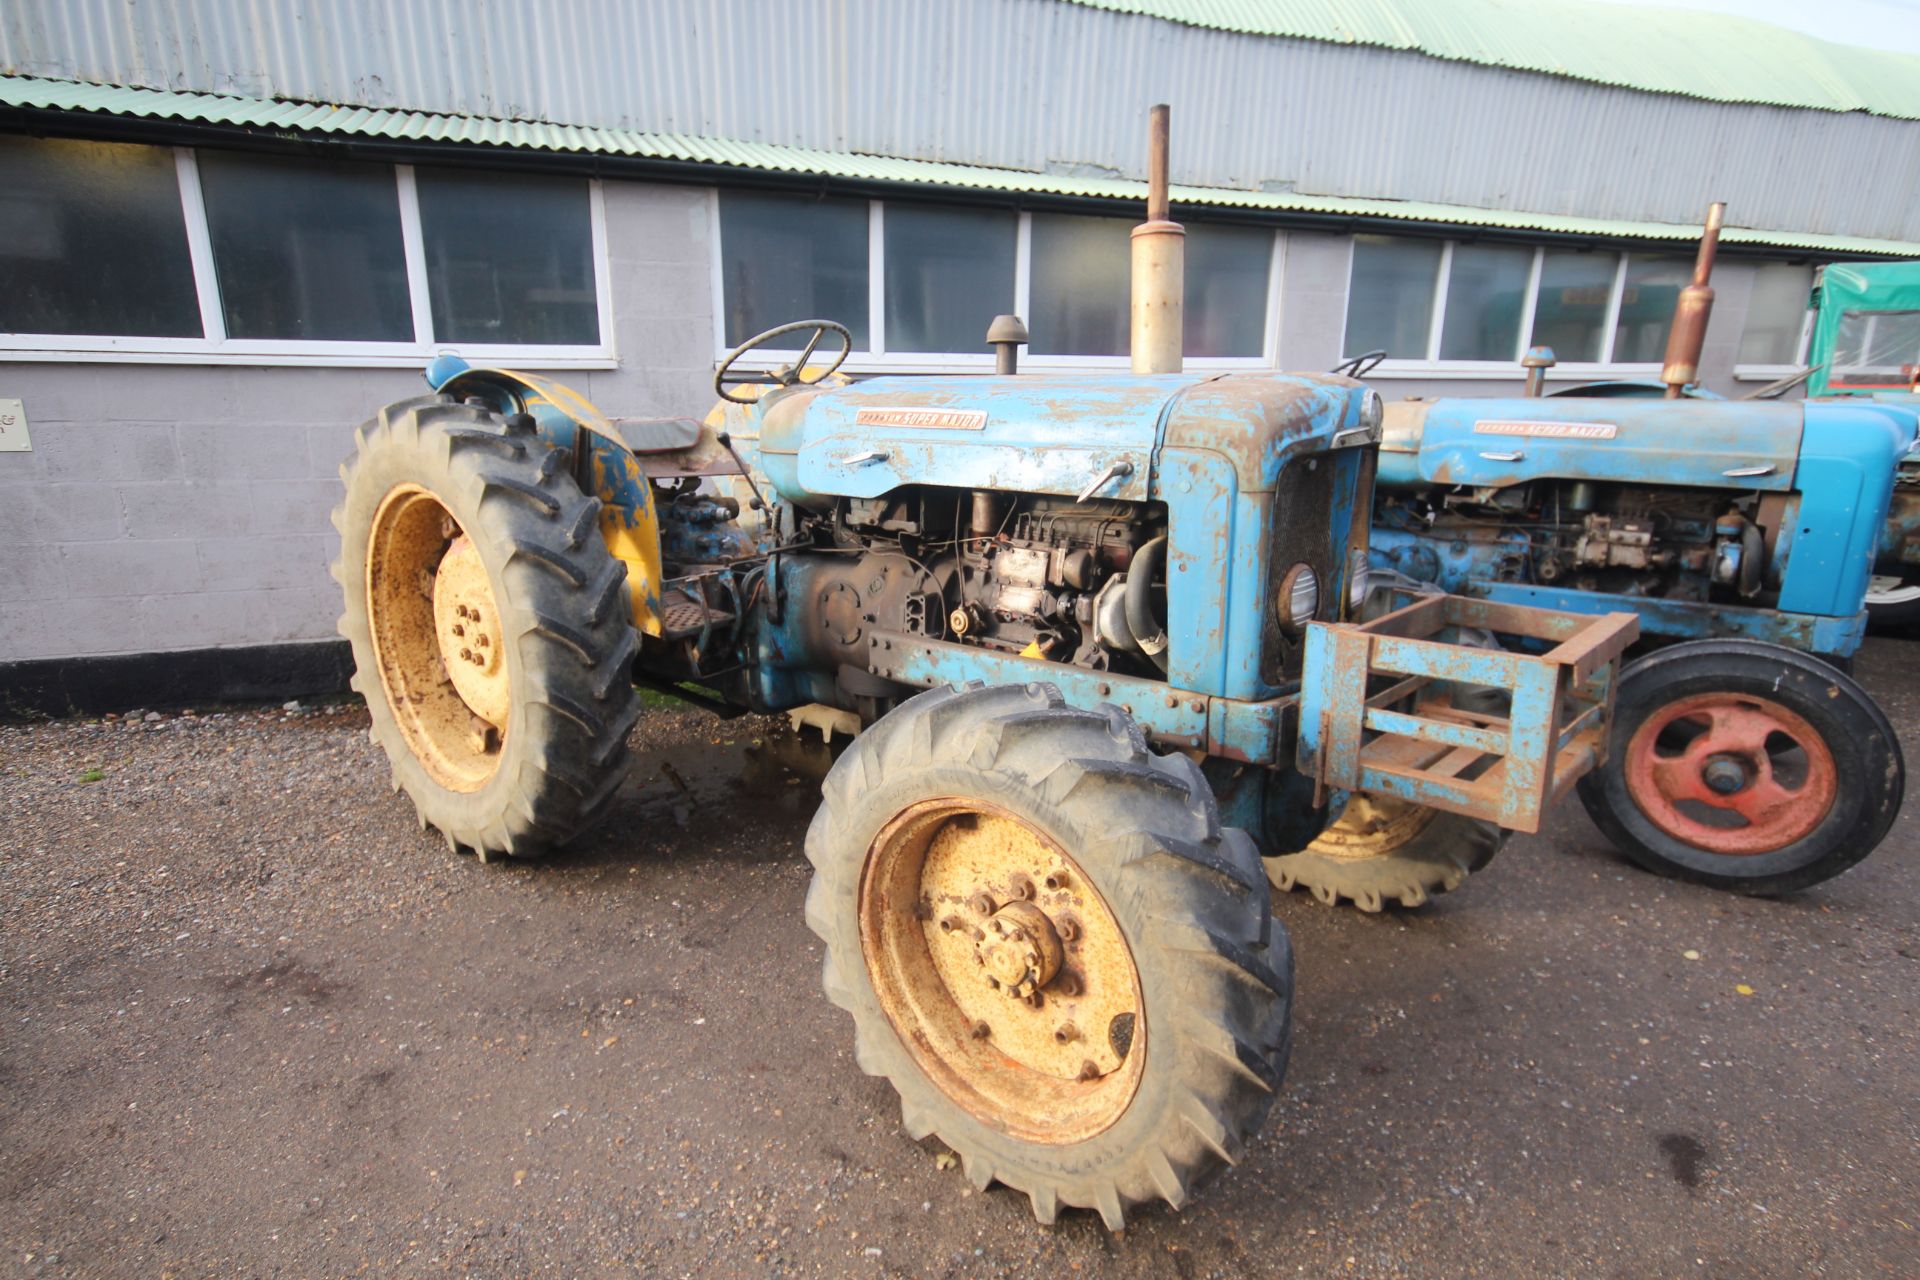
(628, 521)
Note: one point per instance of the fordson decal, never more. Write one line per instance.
(1547, 430)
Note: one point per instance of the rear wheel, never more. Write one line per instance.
(1064, 965)
(1384, 850)
(1745, 766)
(1893, 601)
(490, 626)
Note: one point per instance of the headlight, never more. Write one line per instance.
(1299, 598)
(1357, 569)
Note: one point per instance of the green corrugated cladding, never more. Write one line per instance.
(1678, 51)
(723, 153)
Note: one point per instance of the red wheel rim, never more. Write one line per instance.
(1719, 771)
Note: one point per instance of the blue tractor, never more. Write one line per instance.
(1099, 630)
(1742, 533)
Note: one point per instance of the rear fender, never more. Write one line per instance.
(627, 518)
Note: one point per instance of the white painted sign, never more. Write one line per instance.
(13, 428)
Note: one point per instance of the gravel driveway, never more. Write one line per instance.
(254, 1023)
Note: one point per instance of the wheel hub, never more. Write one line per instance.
(467, 623)
(1002, 969)
(1731, 773)
(1022, 951)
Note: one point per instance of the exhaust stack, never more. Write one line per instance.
(1159, 267)
(1690, 312)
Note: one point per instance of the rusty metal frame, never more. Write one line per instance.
(1384, 719)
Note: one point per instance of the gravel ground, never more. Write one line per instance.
(255, 1023)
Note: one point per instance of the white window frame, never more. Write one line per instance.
(215, 347)
(1432, 367)
(878, 359)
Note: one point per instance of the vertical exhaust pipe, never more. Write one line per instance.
(1690, 311)
(1159, 267)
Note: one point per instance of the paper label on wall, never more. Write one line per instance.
(1547, 430)
(13, 428)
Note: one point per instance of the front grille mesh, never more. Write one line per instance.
(1307, 527)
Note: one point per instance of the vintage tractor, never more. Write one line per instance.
(1866, 347)
(1095, 629)
(1742, 533)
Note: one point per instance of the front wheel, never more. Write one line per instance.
(491, 627)
(1383, 850)
(1067, 969)
(1745, 766)
(1893, 601)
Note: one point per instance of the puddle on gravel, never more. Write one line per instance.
(772, 771)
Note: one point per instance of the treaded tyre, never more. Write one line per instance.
(1745, 766)
(491, 627)
(1067, 969)
(1385, 850)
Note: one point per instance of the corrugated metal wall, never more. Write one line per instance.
(1026, 84)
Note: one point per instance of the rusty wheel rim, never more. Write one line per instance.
(1731, 773)
(1003, 970)
(1373, 827)
(437, 639)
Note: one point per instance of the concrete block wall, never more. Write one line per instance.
(178, 507)
(174, 507)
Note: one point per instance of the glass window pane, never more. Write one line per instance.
(1647, 296)
(786, 258)
(92, 241)
(1486, 292)
(307, 249)
(1390, 296)
(1226, 293)
(949, 273)
(1081, 296)
(509, 260)
(1776, 312)
(1879, 349)
(1571, 311)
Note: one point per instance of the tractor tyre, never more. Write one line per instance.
(491, 629)
(1893, 601)
(1383, 850)
(1745, 766)
(1065, 966)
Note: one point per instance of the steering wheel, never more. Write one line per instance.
(1361, 365)
(786, 375)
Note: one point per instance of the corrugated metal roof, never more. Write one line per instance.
(726, 153)
(1680, 51)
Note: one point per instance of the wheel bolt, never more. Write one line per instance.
(1056, 880)
(466, 655)
(1067, 927)
(980, 1031)
(483, 642)
(950, 924)
(1066, 1033)
(1088, 1071)
(459, 630)
(462, 611)
(981, 903)
(1022, 886)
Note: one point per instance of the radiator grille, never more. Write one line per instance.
(1310, 526)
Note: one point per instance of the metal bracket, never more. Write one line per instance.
(1121, 469)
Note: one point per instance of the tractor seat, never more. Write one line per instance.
(656, 435)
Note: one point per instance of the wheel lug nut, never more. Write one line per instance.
(461, 610)
(1067, 927)
(980, 1031)
(1088, 1071)
(981, 903)
(1022, 887)
(459, 630)
(483, 642)
(949, 924)
(466, 655)
(1056, 880)
(1066, 1033)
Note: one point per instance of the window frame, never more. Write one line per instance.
(214, 347)
(1432, 367)
(879, 360)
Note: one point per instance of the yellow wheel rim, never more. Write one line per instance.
(437, 639)
(1003, 970)
(1373, 827)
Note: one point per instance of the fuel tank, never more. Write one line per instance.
(1041, 433)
